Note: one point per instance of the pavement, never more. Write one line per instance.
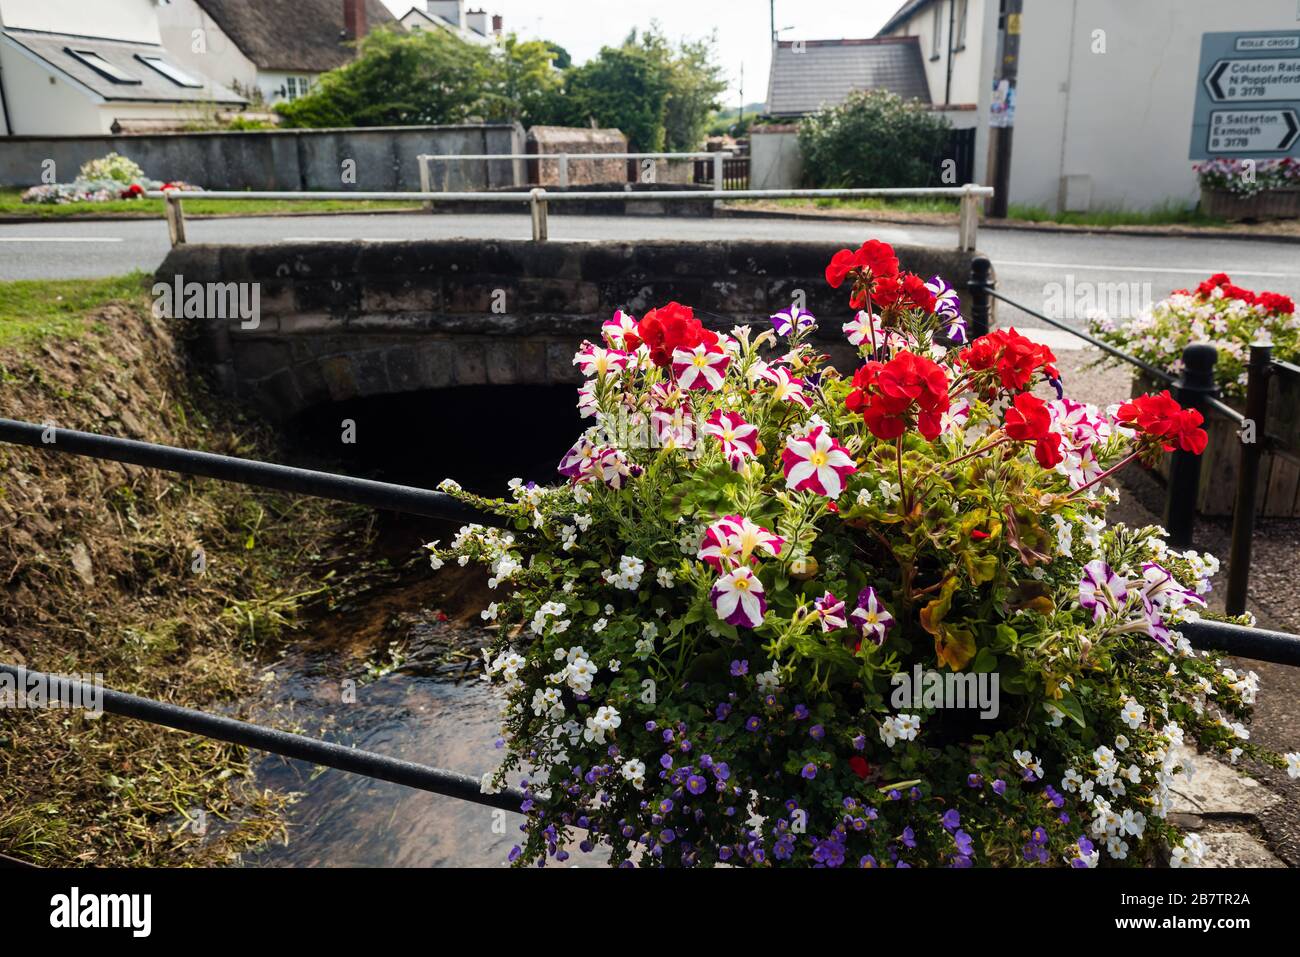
(1041, 269)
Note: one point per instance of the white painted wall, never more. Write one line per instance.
(967, 57)
(197, 44)
(1122, 118)
(113, 19)
(41, 103)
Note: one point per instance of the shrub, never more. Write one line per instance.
(703, 637)
(114, 167)
(1218, 312)
(873, 139)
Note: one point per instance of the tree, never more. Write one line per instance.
(525, 84)
(399, 79)
(873, 139)
(694, 84)
(621, 87)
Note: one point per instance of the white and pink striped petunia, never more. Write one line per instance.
(786, 388)
(612, 468)
(739, 439)
(598, 362)
(871, 617)
(620, 332)
(738, 598)
(831, 612)
(700, 368)
(735, 540)
(580, 460)
(865, 328)
(1101, 591)
(673, 428)
(588, 405)
(816, 462)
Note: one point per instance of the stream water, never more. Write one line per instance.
(448, 721)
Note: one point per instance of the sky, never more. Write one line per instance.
(742, 26)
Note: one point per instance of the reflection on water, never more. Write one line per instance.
(345, 820)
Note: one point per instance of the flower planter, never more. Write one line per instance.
(1269, 204)
(1278, 495)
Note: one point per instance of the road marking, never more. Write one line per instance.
(60, 239)
(1149, 269)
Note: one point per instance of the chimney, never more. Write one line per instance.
(497, 24)
(354, 19)
(453, 11)
(477, 20)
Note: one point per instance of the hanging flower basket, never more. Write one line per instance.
(777, 616)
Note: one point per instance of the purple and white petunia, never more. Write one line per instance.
(793, 319)
(738, 598)
(947, 306)
(700, 368)
(831, 611)
(816, 462)
(865, 328)
(580, 460)
(739, 439)
(871, 617)
(1101, 591)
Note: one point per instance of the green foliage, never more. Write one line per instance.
(624, 88)
(400, 79)
(525, 84)
(873, 139)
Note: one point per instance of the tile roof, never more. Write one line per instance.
(301, 36)
(124, 56)
(809, 74)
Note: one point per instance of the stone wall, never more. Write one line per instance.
(341, 321)
(284, 159)
(549, 140)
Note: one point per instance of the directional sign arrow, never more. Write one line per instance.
(1212, 81)
(1293, 130)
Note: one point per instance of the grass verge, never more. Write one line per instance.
(11, 204)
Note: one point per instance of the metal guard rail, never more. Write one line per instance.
(323, 753)
(284, 478)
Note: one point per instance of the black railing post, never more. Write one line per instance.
(1195, 386)
(981, 303)
(1252, 450)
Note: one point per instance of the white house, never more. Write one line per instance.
(76, 67)
(271, 50)
(1110, 100)
(472, 26)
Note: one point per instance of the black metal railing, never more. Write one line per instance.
(1195, 388)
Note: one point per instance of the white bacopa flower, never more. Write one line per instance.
(579, 674)
(599, 625)
(634, 771)
(1030, 763)
(645, 647)
(1105, 759)
(664, 577)
(1054, 715)
(1293, 764)
(1072, 780)
(1117, 847)
(1190, 853)
(908, 726)
(605, 719)
(1132, 713)
(490, 612)
(770, 680)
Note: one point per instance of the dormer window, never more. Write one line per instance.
(173, 73)
(101, 66)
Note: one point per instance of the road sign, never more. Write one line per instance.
(1255, 80)
(1237, 72)
(1253, 131)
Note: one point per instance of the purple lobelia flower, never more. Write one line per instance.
(696, 784)
(965, 844)
(809, 771)
(951, 819)
(739, 668)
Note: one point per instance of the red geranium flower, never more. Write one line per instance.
(1161, 417)
(1015, 358)
(887, 395)
(1027, 419)
(670, 327)
(1047, 451)
(859, 766)
(1275, 304)
(1214, 282)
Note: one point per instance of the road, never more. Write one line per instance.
(1065, 274)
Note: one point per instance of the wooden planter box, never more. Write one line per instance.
(1270, 204)
(1278, 495)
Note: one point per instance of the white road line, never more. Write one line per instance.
(1155, 269)
(60, 239)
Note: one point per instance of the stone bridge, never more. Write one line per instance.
(341, 321)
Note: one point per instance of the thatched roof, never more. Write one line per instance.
(293, 35)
